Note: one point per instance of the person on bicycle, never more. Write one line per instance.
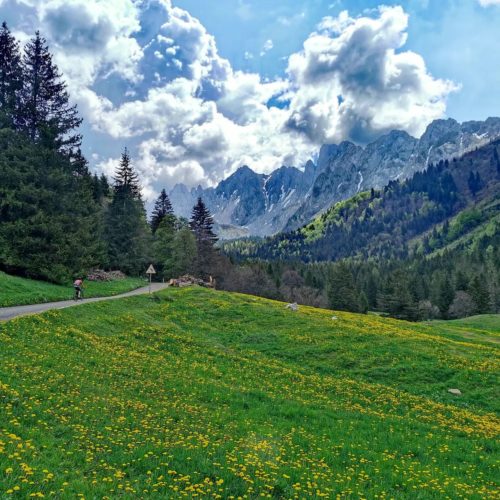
(78, 286)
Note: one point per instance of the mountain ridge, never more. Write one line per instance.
(427, 213)
(252, 204)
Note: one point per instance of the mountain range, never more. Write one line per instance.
(452, 206)
(252, 204)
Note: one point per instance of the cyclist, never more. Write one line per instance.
(78, 286)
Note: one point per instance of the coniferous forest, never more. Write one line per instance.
(423, 248)
(57, 219)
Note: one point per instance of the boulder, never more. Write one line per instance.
(456, 392)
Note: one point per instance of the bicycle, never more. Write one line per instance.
(78, 294)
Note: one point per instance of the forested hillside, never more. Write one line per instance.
(427, 247)
(395, 222)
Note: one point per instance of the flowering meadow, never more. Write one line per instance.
(203, 394)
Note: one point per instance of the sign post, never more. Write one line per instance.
(150, 272)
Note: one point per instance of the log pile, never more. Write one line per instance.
(100, 275)
(188, 280)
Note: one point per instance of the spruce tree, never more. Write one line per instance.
(201, 224)
(342, 295)
(162, 246)
(396, 299)
(10, 77)
(162, 208)
(46, 112)
(127, 234)
(126, 179)
(445, 295)
(49, 224)
(480, 294)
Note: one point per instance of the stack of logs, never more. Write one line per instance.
(188, 280)
(100, 275)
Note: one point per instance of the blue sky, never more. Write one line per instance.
(197, 89)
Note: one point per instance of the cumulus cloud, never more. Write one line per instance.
(352, 80)
(487, 3)
(149, 74)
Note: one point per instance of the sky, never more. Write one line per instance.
(197, 88)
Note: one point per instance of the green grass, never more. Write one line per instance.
(205, 394)
(20, 291)
(484, 328)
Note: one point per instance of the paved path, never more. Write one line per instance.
(7, 313)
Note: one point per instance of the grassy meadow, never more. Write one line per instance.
(204, 394)
(16, 291)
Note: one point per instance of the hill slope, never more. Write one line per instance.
(209, 394)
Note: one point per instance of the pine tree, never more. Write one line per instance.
(127, 232)
(446, 294)
(10, 77)
(341, 290)
(49, 224)
(396, 299)
(475, 183)
(496, 160)
(162, 245)
(46, 113)
(201, 225)
(162, 208)
(480, 294)
(126, 179)
(104, 185)
(363, 303)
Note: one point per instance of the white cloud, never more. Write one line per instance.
(268, 45)
(149, 75)
(351, 80)
(487, 3)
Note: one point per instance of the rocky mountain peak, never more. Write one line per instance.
(256, 204)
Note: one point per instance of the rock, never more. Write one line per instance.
(456, 392)
(293, 307)
(335, 318)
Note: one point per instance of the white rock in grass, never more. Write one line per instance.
(293, 307)
(456, 392)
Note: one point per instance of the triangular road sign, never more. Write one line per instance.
(151, 270)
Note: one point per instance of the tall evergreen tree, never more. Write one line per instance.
(396, 299)
(342, 295)
(49, 224)
(46, 112)
(445, 296)
(162, 208)
(126, 178)
(10, 77)
(201, 224)
(480, 295)
(127, 234)
(162, 246)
